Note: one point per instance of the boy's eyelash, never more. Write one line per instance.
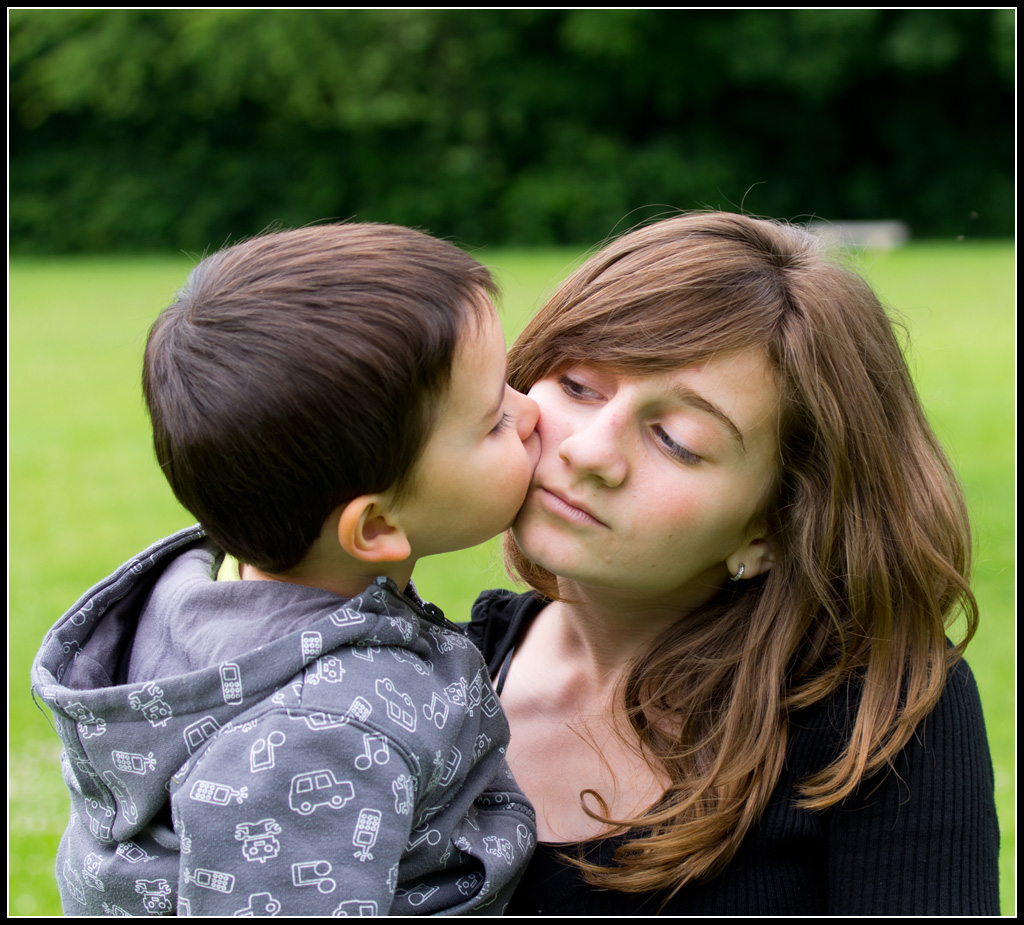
(503, 423)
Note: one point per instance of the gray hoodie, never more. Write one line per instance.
(351, 764)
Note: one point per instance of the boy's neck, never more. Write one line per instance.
(342, 584)
(326, 565)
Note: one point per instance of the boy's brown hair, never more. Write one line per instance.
(298, 370)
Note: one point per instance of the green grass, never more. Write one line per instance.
(85, 492)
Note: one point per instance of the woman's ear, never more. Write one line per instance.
(368, 531)
(755, 557)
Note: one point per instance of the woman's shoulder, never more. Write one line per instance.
(952, 741)
(932, 811)
(959, 696)
(956, 720)
(498, 620)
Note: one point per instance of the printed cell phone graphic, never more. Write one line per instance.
(360, 709)
(231, 683)
(318, 788)
(215, 880)
(133, 763)
(132, 853)
(365, 835)
(208, 791)
(312, 644)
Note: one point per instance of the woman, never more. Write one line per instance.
(731, 691)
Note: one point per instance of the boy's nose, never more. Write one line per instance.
(527, 415)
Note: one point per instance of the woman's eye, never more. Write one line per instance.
(575, 389)
(674, 449)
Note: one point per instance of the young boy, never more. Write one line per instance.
(330, 404)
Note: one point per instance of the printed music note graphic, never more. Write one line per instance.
(371, 756)
(436, 711)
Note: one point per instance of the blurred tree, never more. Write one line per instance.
(149, 129)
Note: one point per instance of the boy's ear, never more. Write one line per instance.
(368, 531)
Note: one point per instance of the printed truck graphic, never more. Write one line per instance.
(124, 799)
(100, 818)
(318, 788)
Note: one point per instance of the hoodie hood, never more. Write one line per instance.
(125, 737)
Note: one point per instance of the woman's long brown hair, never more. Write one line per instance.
(868, 523)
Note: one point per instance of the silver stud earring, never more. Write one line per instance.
(739, 573)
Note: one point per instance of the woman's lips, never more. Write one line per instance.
(561, 506)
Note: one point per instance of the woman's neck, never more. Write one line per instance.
(605, 629)
(564, 695)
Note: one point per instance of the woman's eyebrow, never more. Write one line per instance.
(696, 400)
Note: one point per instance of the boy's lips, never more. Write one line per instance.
(562, 505)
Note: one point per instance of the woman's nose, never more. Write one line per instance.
(596, 449)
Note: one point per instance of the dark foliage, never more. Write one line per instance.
(153, 129)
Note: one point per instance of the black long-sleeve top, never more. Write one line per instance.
(921, 839)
